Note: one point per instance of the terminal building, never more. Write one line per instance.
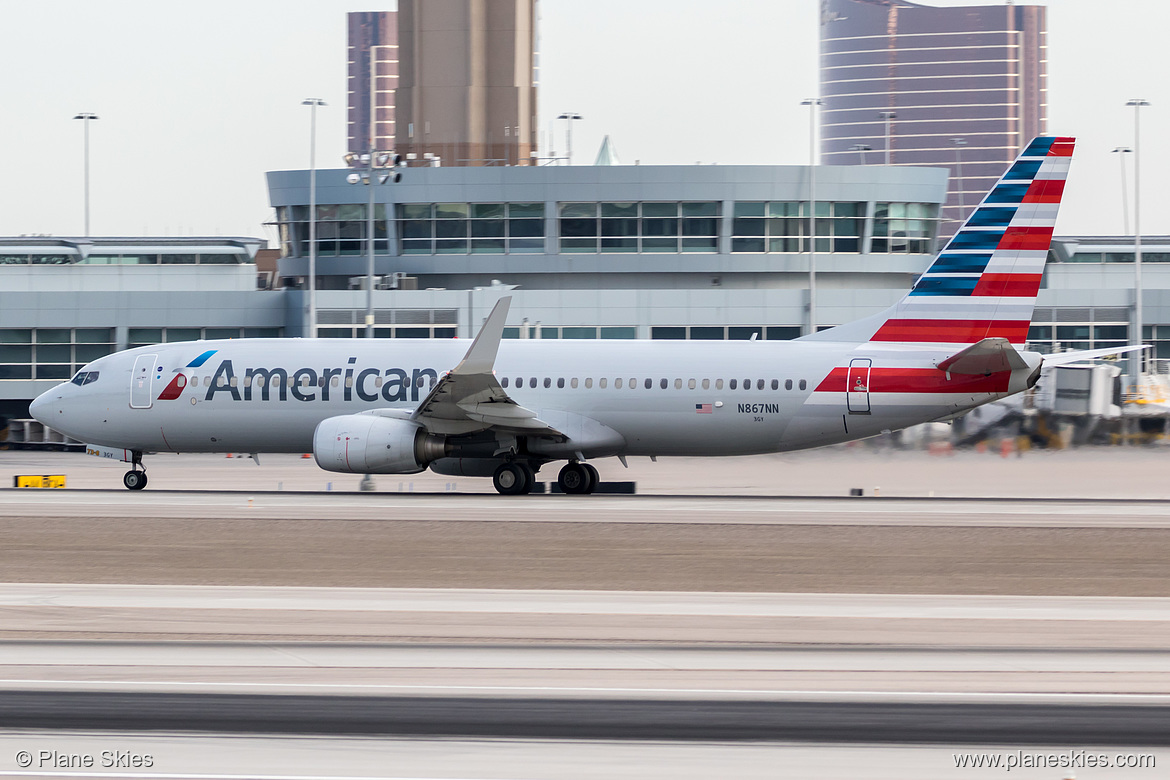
(648, 252)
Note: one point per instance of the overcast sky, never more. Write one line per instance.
(198, 100)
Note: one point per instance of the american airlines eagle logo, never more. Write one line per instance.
(175, 389)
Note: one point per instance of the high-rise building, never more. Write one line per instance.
(372, 56)
(911, 84)
(467, 90)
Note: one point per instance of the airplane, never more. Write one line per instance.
(506, 408)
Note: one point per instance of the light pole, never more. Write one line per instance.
(569, 116)
(85, 116)
(959, 143)
(887, 116)
(313, 103)
(861, 149)
(1121, 151)
(812, 104)
(1136, 337)
(380, 161)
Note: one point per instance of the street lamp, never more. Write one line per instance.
(569, 116)
(959, 143)
(812, 104)
(1136, 337)
(887, 116)
(85, 117)
(380, 162)
(1121, 151)
(861, 149)
(313, 103)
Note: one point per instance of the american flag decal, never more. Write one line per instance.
(702, 408)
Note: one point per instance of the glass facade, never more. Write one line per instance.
(639, 227)
(341, 230)
(618, 228)
(470, 228)
(967, 87)
(782, 226)
(51, 353)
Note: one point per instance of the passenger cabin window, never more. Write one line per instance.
(664, 383)
(690, 384)
(775, 384)
(589, 382)
(649, 383)
(601, 383)
(561, 382)
(787, 384)
(732, 384)
(718, 384)
(504, 382)
(617, 383)
(759, 384)
(573, 383)
(547, 382)
(803, 384)
(706, 384)
(532, 382)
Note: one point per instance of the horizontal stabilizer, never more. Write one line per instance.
(989, 356)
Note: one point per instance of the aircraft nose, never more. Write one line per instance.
(45, 406)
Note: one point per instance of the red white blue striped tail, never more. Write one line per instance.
(984, 283)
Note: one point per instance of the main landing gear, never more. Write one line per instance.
(578, 478)
(135, 478)
(514, 478)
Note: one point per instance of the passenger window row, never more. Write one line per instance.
(648, 383)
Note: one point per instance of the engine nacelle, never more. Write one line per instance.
(368, 444)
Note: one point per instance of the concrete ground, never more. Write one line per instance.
(1117, 472)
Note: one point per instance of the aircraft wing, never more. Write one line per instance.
(1064, 358)
(468, 398)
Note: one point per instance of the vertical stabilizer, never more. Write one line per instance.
(984, 282)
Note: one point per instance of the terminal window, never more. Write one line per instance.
(647, 227)
(340, 229)
(783, 226)
(51, 353)
(470, 228)
(904, 228)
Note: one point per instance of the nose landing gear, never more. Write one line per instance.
(135, 478)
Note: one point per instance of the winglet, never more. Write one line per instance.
(481, 356)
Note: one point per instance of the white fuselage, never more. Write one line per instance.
(719, 398)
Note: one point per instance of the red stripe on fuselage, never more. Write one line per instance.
(1008, 285)
(917, 380)
(1044, 191)
(953, 331)
(1026, 238)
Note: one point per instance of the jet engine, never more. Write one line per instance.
(368, 444)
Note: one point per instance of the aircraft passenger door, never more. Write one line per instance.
(140, 382)
(857, 386)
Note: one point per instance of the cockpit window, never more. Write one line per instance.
(90, 377)
(84, 377)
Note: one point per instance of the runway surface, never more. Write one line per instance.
(685, 631)
(1091, 472)
(606, 543)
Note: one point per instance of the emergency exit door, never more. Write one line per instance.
(857, 386)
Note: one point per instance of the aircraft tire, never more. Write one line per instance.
(575, 479)
(594, 477)
(134, 480)
(512, 479)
